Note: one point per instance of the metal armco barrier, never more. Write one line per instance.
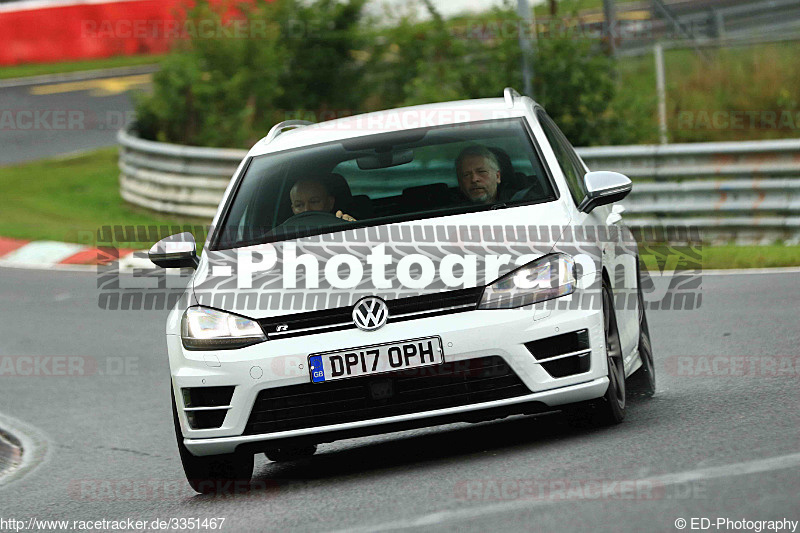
(176, 179)
(746, 191)
(742, 191)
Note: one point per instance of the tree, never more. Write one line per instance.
(574, 82)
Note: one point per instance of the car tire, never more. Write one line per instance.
(643, 381)
(213, 473)
(610, 409)
(279, 455)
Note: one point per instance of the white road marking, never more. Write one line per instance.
(64, 268)
(731, 272)
(776, 270)
(127, 263)
(757, 466)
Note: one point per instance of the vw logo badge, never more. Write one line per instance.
(370, 313)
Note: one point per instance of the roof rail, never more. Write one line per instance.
(279, 128)
(508, 95)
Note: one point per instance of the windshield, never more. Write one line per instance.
(383, 178)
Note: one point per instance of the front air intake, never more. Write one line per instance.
(207, 396)
(563, 355)
(206, 407)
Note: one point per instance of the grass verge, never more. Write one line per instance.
(730, 256)
(734, 94)
(37, 69)
(68, 199)
(719, 257)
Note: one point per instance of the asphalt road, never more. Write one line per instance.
(707, 445)
(46, 120)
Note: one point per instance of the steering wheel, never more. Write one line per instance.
(311, 218)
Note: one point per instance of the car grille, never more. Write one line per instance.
(397, 393)
(340, 318)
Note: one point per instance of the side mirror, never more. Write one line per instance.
(603, 187)
(175, 251)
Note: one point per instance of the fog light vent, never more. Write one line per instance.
(563, 355)
(207, 396)
(210, 419)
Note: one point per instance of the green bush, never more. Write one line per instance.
(575, 83)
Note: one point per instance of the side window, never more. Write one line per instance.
(566, 156)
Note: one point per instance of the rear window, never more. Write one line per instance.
(384, 178)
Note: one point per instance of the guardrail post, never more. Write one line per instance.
(717, 24)
(662, 93)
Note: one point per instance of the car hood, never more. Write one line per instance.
(391, 261)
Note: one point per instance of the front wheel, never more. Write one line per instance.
(610, 409)
(213, 473)
(643, 381)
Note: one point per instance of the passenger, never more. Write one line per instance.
(313, 195)
(478, 174)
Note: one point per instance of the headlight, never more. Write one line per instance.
(209, 329)
(543, 279)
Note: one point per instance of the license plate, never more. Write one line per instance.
(375, 359)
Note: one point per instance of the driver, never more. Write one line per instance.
(312, 195)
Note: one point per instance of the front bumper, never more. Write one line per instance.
(521, 404)
(466, 335)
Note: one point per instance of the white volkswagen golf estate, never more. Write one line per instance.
(413, 267)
